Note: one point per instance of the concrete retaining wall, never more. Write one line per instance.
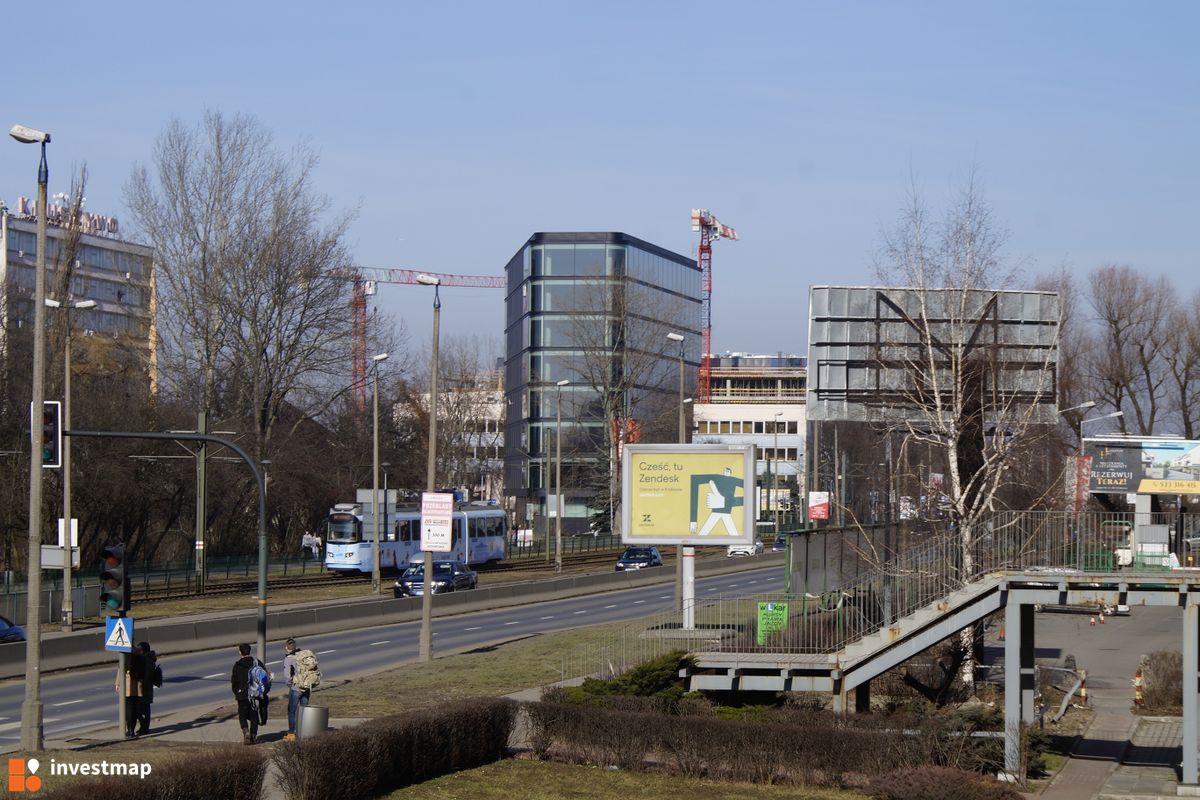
(207, 631)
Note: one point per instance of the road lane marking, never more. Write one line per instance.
(512, 623)
(214, 675)
(68, 703)
(323, 652)
(385, 641)
(635, 602)
(614, 605)
(582, 612)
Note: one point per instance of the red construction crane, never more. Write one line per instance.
(710, 230)
(365, 279)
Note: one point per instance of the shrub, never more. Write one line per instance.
(1163, 676)
(939, 783)
(393, 752)
(238, 772)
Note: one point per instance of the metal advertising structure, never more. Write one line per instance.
(687, 494)
(1131, 465)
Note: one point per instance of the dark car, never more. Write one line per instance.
(448, 576)
(11, 632)
(639, 558)
(780, 543)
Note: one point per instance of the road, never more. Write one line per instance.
(81, 700)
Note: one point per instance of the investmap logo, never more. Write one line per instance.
(22, 775)
(23, 772)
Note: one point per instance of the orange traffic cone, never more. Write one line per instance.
(1092, 621)
(1101, 617)
(1002, 633)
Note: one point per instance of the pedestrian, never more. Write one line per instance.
(130, 688)
(240, 681)
(151, 678)
(296, 696)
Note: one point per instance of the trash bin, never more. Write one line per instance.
(313, 721)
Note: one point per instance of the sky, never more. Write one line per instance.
(457, 130)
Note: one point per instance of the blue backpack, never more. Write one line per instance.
(258, 682)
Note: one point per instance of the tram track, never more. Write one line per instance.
(572, 562)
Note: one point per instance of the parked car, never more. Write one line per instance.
(10, 631)
(751, 549)
(639, 558)
(780, 543)
(448, 576)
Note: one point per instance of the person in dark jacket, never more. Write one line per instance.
(131, 691)
(149, 676)
(239, 680)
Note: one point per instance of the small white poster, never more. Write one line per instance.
(437, 516)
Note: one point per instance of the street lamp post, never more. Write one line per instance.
(558, 497)
(68, 610)
(376, 582)
(775, 472)
(684, 556)
(31, 710)
(425, 648)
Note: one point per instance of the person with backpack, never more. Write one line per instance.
(151, 678)
(302, 675)
(251, 683)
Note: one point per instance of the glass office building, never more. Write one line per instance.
(591, 309)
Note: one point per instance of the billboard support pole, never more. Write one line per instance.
(689, 588)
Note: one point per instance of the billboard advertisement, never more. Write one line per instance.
(687, 494)
(1143, 466)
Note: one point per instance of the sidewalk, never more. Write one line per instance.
(1120, 757)
(199, 726)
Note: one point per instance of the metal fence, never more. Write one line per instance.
(919, 575)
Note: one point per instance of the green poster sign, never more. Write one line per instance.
(772, 617)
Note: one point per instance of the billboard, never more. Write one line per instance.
(1143, 466)
(687, 494)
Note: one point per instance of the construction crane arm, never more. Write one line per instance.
(387, 275)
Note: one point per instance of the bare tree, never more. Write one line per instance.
(252, 302)
(1125, 365)
(959, 379)
(1181, 355)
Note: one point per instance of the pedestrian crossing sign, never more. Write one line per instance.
(118, 634)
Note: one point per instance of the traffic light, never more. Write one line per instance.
(51, 434)
(114, 580)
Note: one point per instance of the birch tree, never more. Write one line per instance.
(958, 378)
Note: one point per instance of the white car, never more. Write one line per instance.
(744, 549)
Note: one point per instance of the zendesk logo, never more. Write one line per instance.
(22, 775)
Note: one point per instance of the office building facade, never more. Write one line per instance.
(760, 400)
(117, 275)
(592, 310)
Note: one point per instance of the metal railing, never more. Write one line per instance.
(918, 576)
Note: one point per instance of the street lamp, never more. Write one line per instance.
(1097, 419)
(775, 472)
(558, 498)
(681, 552)
(425, 648)
(68, 609)
(376, 583)
(31, 710)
